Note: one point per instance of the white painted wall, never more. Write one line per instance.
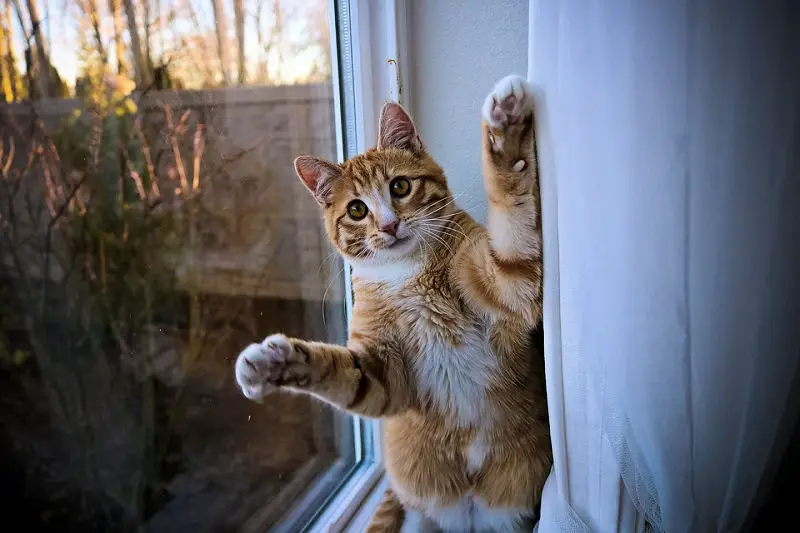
(458, 49)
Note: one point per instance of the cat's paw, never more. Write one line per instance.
(276, 362)
(510, 102)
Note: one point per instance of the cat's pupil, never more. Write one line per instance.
(400, 187)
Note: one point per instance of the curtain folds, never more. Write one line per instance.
(670, 172)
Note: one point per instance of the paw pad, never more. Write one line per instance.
(509, 102)
(260, 368)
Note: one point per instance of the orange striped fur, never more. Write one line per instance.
(440, 339)
(389, 516)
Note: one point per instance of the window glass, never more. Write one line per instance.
(151, 226)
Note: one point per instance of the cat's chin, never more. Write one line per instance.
(398, 249)
(400, 244)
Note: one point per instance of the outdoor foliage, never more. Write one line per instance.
(90, 234)
(102, 321)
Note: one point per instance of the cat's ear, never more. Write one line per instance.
(318, 176)
(397, 130)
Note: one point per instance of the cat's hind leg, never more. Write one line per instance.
(389, 516)
(392, 517)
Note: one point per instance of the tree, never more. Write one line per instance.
(119, 45)
(148, 38)
(238, 13)
(5, 74)
(262, 73)
(140, 63)
(44, 78)
(9, 75)
(276, 39)
(221, 26)
(90, 9)
(267, 46)
(320, 35)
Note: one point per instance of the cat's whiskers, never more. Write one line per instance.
(429, 216)
(436, 224)
(447, 227)
(454, 233)
(434, 204)
(365, 253)
(325, 294)
(433, 234)
(427, 210)
(422, 242)
(445, 224)
(428, 213)
(326, 260)
(421, 238)
(446, 217)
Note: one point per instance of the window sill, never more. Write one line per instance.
(296, 490)
(354, 503)
(363, 514)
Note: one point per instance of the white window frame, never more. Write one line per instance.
(368, 48)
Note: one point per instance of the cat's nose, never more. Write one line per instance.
(391, 227)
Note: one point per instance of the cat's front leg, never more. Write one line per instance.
(505, 269)
(361, 381)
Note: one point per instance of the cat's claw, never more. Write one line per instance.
(261, 368)
(510, 102)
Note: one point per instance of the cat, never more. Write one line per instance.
(440, 345)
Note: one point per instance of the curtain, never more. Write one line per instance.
(670, 173)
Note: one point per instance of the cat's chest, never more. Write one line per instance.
(451, 359)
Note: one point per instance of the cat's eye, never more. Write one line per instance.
(400, 187)
(357, 209)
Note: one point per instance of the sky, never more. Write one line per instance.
(62, 19)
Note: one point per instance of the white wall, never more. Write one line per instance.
(458, 49)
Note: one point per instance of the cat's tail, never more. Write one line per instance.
(389, 516)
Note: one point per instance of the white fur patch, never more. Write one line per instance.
(476, 454)
(499, 520)
(380, 203)
(415, 522)
(394, 274)
(456, 378)
(511, 237)
(472, 514)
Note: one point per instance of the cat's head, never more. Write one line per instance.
(388, 203)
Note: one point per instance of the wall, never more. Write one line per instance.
(458, 50)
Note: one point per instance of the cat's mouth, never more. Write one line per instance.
(397, 244)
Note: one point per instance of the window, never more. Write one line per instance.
(150, 227)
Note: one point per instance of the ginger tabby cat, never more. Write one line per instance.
(440, 342)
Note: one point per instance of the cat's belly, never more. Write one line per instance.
(432, 470)
(455, 379)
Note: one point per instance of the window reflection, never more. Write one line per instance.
(150, 227)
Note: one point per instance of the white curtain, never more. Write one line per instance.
(670, 173)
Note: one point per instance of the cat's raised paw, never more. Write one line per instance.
(510, 102)
(261, 368)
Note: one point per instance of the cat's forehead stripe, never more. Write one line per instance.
(365, 177)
